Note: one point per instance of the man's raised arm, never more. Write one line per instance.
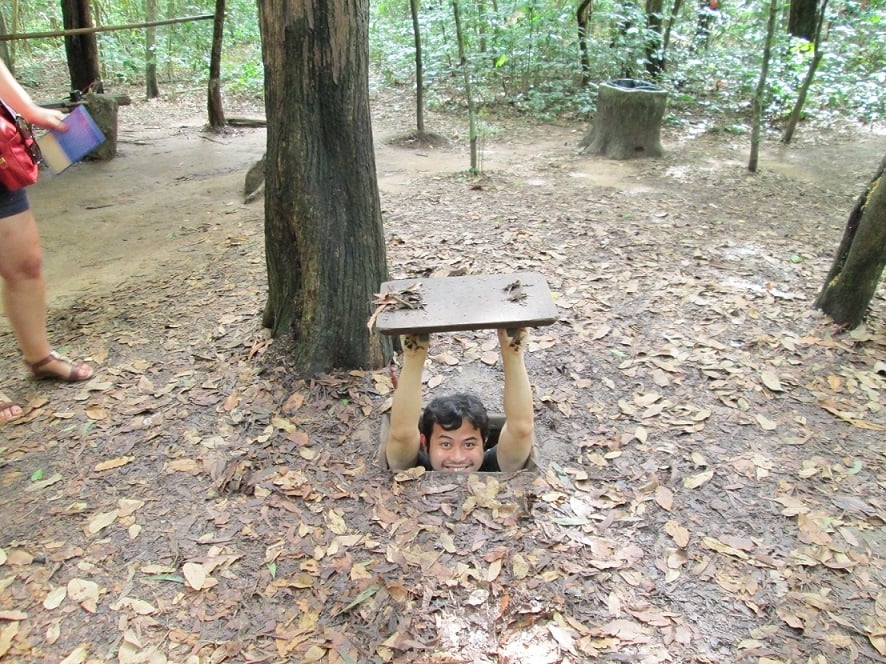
(515, 440)
(403, 441)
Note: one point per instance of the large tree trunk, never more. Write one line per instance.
(81, 50)
(852, 282)
(324, 240)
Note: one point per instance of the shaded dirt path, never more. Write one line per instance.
(711, 484)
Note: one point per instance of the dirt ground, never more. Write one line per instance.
(711, 483)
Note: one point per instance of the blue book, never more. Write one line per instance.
(63, 148)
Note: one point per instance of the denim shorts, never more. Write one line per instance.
(13, 202)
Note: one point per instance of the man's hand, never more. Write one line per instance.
(513, 340)
(415, 343)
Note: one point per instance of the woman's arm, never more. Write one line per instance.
(20, 101)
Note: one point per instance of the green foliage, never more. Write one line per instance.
(181, 50)
(523, 55)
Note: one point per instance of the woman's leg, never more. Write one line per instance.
(24, 293)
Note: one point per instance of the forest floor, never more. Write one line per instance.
(711, 484)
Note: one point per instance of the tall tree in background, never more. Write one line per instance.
(675, 11)
(152, 90)
(466, 72)
(214, 101)
(817, 55)
(4, 49)
(419, 70)
(324, 240)
(759, 101)
(803, 18)
(860, 259)
(583, 18)
(655, 60)
(708, 10)
(81, 50)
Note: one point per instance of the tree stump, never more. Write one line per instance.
(628, 120)
(103, 109)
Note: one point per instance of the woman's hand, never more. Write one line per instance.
(48, 118)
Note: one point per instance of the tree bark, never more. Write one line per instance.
(324, 240)
(214, 105)
(858, 265)
(81, 50)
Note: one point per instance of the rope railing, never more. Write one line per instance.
(104, 28)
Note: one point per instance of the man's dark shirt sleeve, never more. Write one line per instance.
(490, 461)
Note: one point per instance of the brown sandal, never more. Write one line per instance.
(39, 371)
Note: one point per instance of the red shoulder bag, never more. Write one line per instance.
(19, 152)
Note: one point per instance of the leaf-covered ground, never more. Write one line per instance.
(711, 481)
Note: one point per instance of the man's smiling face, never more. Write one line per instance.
(459, 450)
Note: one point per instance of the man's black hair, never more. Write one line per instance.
(450, 411)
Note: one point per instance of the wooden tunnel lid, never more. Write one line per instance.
(475, 302)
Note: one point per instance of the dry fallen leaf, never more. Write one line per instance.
(771, 380)
(112, 463)
(101, 521)
(7, 634)
(699, 479)
(42, 484)
(96, 413)
(55, 597)
(197, 577)
(85, 592)
(77, 656)
(54, 631)
(679, 534)
(128, 507)
(664, 497)
(12, 615)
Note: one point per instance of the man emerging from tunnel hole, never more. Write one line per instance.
(451, 432)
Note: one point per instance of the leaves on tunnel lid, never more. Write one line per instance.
(408, 297)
